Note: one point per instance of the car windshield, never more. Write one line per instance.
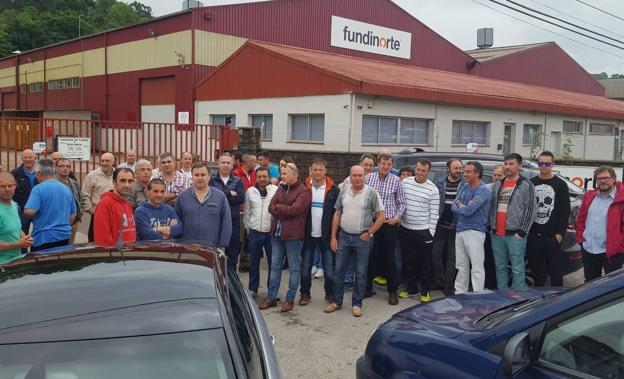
(199, 354)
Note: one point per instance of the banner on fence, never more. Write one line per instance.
(76, 148)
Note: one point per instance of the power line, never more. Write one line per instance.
(600, 10)
(564, 21)
(576, 18)
(548, 30)
(555, 24)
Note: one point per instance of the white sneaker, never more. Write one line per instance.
(314, 270)
(319, 273)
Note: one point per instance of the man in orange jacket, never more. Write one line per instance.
(114, 221)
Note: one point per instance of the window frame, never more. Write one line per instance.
(524, 128)
(224, 115)
(488, 128)
(611, 127)
(264, 116)
(576, 123)
(291, 117)
(399, 129)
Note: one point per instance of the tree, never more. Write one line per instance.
(602, 75)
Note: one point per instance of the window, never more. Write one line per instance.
(222, 119)
(23, 88)
(265, 123)
(575, 127)
(307, 127)
(531, 134)
(64, 83)
(465, 132)
(35, 87)
(601, 129)
(588, 345)
(393, 130)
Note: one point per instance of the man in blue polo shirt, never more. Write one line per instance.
(52, 206)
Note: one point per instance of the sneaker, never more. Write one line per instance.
(382, 281)
(304, 299)
(331, 308)
(425, 298)
(288, 306)
(376, 279)
(356, 311)
(393, 298)
(404, 294)
(314, 270)
(320, 273)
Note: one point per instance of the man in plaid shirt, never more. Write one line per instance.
(175, 181)
(382, 259)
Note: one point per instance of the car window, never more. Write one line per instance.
(244, 326)
(591, 343)
(198, 354)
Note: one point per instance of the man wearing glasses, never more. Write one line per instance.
(552, 205)
(599, 225)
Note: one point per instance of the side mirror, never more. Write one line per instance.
(517, 355)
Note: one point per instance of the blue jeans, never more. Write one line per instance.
(309, 246)
(350, 245)
(318, 258)
(257, 241)
(233, 249)
(509, 249)
(292, 250)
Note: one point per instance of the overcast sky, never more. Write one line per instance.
(458, 20)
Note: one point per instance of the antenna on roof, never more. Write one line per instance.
(485, 38)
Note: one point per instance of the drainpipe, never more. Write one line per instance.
(585, 133)
(351, 118)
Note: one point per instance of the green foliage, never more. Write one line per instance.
(29, 24)
(604, 75)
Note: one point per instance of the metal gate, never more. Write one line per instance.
(148, 139)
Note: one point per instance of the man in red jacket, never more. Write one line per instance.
(247, 170)
(600, 225)
(290, 206)
(114, 220)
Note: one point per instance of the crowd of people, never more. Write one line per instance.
(395, 228)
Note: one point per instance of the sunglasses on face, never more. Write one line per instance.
(544, 164)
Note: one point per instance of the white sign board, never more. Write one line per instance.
(77, 148)
(472, 147)
(183, 118)
(356, 35)
(39, 147)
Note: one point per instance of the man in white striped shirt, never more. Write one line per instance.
(418, 225)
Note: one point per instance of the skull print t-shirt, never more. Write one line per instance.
(552, 206)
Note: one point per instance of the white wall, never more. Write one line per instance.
(340, 114)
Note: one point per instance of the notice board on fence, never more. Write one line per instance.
(76, 148)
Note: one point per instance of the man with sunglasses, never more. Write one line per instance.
(552, 204)
(599, 225)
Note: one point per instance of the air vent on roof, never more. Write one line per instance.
(188, 4)
(485, 38)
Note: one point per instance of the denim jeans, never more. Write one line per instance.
(233, 249)
(292, 250)
(350, 245)
(318, 258)
(509, 249)
(310, 244)
(257, 241)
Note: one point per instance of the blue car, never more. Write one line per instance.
(537, 333)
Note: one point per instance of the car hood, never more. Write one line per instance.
(455, 315)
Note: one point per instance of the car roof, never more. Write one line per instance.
(444, 156)
(92, 292)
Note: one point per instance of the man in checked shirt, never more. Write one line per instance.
(382, 260)
(175, 180)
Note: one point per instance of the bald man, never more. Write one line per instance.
(95, 185)
(12, 238)
(26, 179)
(130, 160)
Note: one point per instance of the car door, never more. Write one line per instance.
(587, 344)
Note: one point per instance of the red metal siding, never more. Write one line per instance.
(308, 24)
(253, 73)
(9, 100)
(546, 65)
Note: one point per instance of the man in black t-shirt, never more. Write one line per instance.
(552, 214)
(443, 249)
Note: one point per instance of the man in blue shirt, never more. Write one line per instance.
(154, 219)
(472, 206)
(264, 161)
(53, 208)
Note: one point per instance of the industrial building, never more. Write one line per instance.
(320, 75)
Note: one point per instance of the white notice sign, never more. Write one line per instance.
(357, 35)
(183, 118)
(39, 147)
(77, 148)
